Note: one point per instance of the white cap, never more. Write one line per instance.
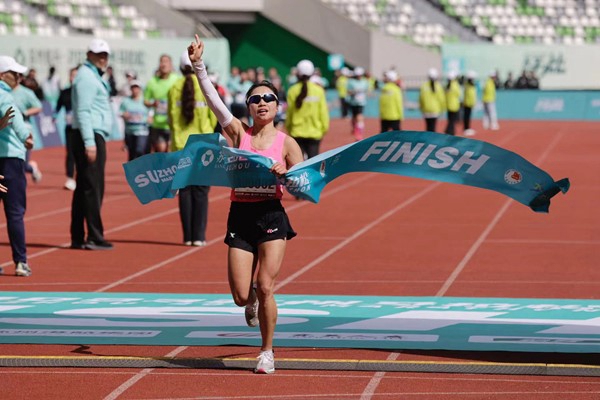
(135, 82)
(358, 71)
(452, 74)
(391, 75)
(305, 68)
(471, 74)
(432, 73)
(345, 71)
(492, 73)
(184, 60)
(99, 46)
(9, 64)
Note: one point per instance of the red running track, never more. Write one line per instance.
(371, 234)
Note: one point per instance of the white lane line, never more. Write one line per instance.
(356, 235)
(473, 249)
(483, 236)
(376, 379)
(312, 282)
(112, 230)
(445, 286)
(209, 243)
(544, 241)
(390, 395)
(62, 210)
(134, 379)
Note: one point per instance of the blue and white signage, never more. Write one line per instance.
(424, 323)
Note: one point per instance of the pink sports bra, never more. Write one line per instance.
(261, 193)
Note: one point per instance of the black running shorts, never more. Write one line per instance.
(252, 223)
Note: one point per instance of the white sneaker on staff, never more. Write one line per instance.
(70, 184)
(22, 269)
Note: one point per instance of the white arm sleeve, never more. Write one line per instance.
(215, 103)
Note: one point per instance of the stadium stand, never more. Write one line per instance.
(416, 22)
(101, 18)
(501, 21)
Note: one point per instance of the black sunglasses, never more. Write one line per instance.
(267, 97)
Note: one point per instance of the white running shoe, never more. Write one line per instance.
(469, 132)
(199, 243)
(70, 184)
(36, 175)
(266, 363)
(251, 312)
(22, 269)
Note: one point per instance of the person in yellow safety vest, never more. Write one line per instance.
(452, 102)
(188, 114)
(432, 100)
(469, 102)
(341, 85)
(391, 111)
(490, 118)
(307, 115)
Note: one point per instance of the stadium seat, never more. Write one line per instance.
(62, 17)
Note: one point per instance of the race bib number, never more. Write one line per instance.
(253, 192)
(161, 107)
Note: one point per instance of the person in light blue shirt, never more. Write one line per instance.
(92, 124)
(135, 114)
(15, 139)
(29, 105)
(358, 88)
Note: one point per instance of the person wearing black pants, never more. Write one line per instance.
(469, 102)
(193, 210)
(452, 102)
(89, 193)
(16, 139)
(189, 115)
(15, 204)
(92, 124)
(64, 100)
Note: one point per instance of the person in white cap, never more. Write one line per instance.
(452, 102)
(155, 97)
(307, 115)
(15, 140)
(258, 227)
(92, 125)
(391, 110)
(432, 100)
(189, 115)
(469, 102)
(490, 118)
(358, 88)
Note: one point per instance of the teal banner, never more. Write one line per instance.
(424, 323)
(206, 160)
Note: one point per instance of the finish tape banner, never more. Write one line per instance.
(374, 322)
(206, 160)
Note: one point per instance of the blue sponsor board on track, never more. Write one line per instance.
(424, 323)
